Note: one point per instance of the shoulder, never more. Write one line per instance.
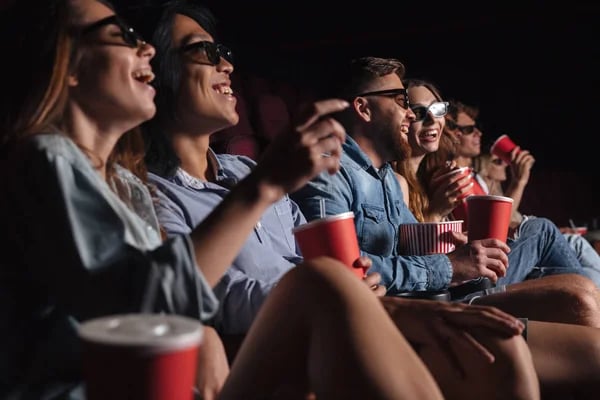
(52, 149)
(234, 167)
(238, 161)
(404, 186)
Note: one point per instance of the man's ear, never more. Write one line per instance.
(361, 106)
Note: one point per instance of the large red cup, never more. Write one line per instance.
(502, 148)
(460, 212)
(140, 357)
(333, 236)
(488, 217)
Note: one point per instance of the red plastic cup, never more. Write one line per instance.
(502, 148)
(460, 212)
(424, 238)
(462, 171)
(140, 357)
(333, 236)
(488, 217)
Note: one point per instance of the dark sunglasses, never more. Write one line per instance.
(129, 35)
(213, 51)
(400, 96)
(437, 109)
(464, 129)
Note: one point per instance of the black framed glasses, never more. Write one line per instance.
(437, 109)
(130, 37)
(399, 95)
(464, 129)
(209, 52)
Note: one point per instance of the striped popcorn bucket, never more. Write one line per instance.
(423, 238)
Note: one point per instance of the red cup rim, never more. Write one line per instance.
(493, 146)
(156, 332)
(460, 170)
(319, 221)
(489, 197)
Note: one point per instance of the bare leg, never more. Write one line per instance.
(566, 358)
(511, 376)
(323, 326)
(567, 298)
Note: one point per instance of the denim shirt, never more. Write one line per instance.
(78, 249)
(375, 197)
(268, 253)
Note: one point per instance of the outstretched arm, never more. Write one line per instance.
(289, 162)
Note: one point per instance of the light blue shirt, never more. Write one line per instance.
(75, 248)
(375, 197)
(268, 253)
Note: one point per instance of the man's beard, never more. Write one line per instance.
(401, 150)
(389, 143)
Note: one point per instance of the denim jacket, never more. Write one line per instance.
(78, 249)
(375, 197)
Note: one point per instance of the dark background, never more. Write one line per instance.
(532, 68)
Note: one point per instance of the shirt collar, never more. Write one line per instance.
(213, 163)
(353, 150)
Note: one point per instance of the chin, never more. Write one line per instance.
(147, 113)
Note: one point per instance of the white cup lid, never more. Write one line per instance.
(329, 218)
(158, 331)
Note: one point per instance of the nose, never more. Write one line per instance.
(146, 50)
(410, 114)
(225, 66)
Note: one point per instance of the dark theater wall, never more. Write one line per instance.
(533, 68)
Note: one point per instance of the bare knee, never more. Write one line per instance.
(514, 369)
(580, 299)
(329, 282)
(511, 376)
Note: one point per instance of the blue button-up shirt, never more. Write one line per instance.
(268, 253)
(375, 197)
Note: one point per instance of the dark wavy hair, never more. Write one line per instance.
(155, 22)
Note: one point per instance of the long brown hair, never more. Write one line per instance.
(418, 199)
(34, 90)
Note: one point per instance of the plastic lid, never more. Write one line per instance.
(328, 218)
(157, 331)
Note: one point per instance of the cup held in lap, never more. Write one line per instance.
(140, 357)
(488, 217)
